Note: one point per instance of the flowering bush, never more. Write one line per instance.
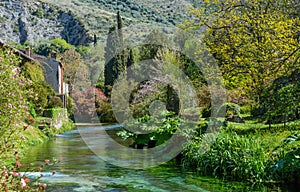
(13, 102)
(14, 116)
(87, 101)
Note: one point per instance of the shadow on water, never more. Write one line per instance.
(79, 169)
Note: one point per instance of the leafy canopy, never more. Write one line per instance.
(253, 41)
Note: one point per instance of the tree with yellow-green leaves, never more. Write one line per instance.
(253, 41)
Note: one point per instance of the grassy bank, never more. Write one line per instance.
(250, 152)
(33, 135)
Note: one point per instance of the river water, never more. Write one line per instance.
(79, 169)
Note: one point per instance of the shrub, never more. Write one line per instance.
(105, 112)
(54, 102)
(161, 128)
(13, 101)
(13, 112)
(229, 109)
(231, 157)
(287, 165)
(57, 45)
(39, 88)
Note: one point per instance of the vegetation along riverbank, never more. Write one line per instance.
(223, 74)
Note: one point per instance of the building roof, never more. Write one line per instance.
(33, 56)
(44, 59)
(19, 52)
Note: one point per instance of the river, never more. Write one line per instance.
(79, 169)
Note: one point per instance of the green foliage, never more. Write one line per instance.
(54, 102)
(152, 44)
(226, 110)
(13, 112)
(70, 106)
(115, 55)
(32, 110)
(231, 157)
(246, 152)
(57, 45)
(162, 127)
(33, 71)
(254, 42)
(39, 13)
(111, 69)
(287, 165)
(57, 115)
(13, 101)
(229, 110)
(282, 104)
(83, 50)
(105, 112)
(38, 87)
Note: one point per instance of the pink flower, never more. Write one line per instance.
(18, 164)
(9, 105)
(47, 161)
(15, 71)
(26, 179)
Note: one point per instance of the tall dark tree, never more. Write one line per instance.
(111, 60)
(121, 40)
(129, 63)
(95, 40)
(130, 59)
(115, 55)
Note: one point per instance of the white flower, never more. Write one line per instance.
(23, 183)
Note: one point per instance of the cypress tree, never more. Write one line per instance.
(122, 66)
(95, 40)
(130, 62)
(111, 60)
(115, 55)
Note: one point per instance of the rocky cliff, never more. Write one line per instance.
(77, 20)
(28, 20)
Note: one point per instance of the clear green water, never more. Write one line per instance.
(80, 170)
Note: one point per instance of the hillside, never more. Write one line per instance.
(77, 20)
(29, 20)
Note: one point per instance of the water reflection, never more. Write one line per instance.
(79, 169)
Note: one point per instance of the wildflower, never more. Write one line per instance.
(47, 161)
(18, 164)
(24, 185)
(9, 105)
(15, 71)
(23, 138)
(26, 179)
